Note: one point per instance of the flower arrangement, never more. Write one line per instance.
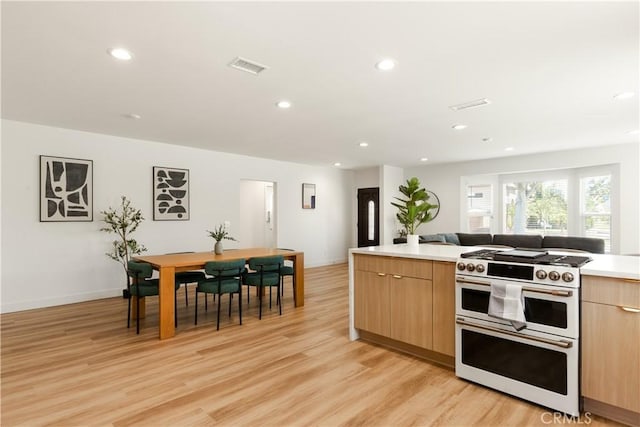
(219, 234)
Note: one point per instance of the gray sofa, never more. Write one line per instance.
(531, 241)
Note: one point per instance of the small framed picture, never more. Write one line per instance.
(66, 189)
(308, 196)
(170, 194)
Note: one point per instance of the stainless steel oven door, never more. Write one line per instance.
(550, 309)
(528, 364)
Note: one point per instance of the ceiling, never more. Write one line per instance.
(550, 70)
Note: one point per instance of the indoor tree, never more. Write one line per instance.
(415, 209)
(123, 221)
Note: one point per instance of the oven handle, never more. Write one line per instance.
(539, 291)
(561, 343)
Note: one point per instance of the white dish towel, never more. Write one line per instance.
(507, 303)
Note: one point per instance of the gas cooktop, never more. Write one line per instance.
(528, 256)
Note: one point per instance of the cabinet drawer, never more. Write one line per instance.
(405, 267)
(611, 291)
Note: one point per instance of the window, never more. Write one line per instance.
(371, 213)
(479, 208)
(563, 202)
(535, 207)
(595, 208)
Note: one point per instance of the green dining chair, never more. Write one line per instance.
(226, 279)
(288, 270)
(186, 277)
(140, 285)
(265, 273)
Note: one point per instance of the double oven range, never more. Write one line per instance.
(539, 363)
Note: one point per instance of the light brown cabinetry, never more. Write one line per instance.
(444, 308)
(409, 301)
(611, 347)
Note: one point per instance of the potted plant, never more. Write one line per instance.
(413, 210)
(123, 221)
(219, 234)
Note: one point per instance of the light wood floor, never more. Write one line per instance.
(79, 365)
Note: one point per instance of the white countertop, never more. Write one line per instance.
(624, 267)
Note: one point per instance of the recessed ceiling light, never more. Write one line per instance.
(459, 127)
(487, 139)
(283, 104)
(386, 64)
(364, 144)
(120, 53)
(424, 159)
(133, 116)
(337, 164)
(509, 149)
(624, 95)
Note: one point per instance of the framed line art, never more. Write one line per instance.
(66, 189)
(170, 194)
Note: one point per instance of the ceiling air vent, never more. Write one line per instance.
(470, 104)
(243, 64)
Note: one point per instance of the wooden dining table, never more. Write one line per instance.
(167, 265)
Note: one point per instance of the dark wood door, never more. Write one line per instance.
(368, 217)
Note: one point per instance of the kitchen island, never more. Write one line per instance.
(404, 298)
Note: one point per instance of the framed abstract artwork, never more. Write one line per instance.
(66, 189)
(170, 194)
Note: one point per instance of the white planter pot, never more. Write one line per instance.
(413, 240)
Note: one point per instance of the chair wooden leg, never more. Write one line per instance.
(293, 281)
(240, 304)
(196, 320)
(137, 315)
(218, 324)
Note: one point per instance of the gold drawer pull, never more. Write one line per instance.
(395, 276)
(629, 309)
(381, 274)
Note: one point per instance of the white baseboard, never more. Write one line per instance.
(62, 300)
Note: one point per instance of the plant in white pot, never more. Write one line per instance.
(413, 210)
(219, 234)
(123, 221)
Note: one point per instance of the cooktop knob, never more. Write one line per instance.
(471, 267)
(541, 274)
(567, 277)
(480, 268)
(554, 275)
(461, 266)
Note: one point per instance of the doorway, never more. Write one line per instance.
(368, 217)
(257, 214)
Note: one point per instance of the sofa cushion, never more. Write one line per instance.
(473, 239)
(450, 238)
(589, 244)
(518, 240)
(425, 238)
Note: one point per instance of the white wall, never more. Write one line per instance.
(48, 264)
(392, 178)
(444, 180)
